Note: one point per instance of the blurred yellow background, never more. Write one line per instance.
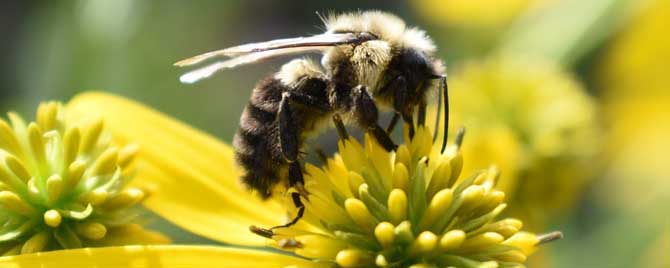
(570, 99)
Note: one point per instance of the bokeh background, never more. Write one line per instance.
(569, 98)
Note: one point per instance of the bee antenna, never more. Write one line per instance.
(436, 131)
(445, 95)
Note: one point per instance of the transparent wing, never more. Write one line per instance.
(207, 71)
(321, 40)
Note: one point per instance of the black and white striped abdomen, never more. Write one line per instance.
(256, 142)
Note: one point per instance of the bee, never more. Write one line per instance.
(370, 60)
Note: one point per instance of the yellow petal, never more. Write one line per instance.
(191, 177)
(155, 257)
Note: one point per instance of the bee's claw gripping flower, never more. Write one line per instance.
(409, 208)
(61, 186)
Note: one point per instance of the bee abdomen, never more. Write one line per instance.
(256, 139)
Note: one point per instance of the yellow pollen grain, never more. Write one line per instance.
(107, 162)
(12, 202)
(440, 179)
(525, 241)
(126, 198)
(90, 136)
(496, 197)
(91, 230)
(513, 222)
(127, 154)
(483, 240)
(402, 155)
(400, 176)
(471, 197)
(10, 179)
(385, 234)
(403, 233)
(96, 197)
(359, 213)
(36, 243)
(8, 139)
(37, 144)
(52, 218)
(452, 240)
(397, 205)
(438, 206)
(355, 181)
(17, 167)
(381, 261)
(54, 188)
(33, 191)
(71, 141)
(353, 258)
(46, 115)
(74, 173)
(506, 230)
(511, 256)
(456, 163)
(424, 243)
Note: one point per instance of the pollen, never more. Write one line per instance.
(61, 185)
(410, 208)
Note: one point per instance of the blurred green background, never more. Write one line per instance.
(569, 98)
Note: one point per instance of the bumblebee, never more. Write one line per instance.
(370, 60)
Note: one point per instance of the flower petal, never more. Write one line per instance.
(191, 176)
(155, 257)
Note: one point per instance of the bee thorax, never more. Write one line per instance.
(369, 60)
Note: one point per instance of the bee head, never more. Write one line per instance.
(381, 26)
(389, 38)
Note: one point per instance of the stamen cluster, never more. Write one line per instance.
(409, 208)
(61, 186)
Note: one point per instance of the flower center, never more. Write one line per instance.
(61, 186)
(409, 208)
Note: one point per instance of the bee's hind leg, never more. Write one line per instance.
(290, 146)
(295, 179)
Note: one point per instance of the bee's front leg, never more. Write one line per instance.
(366, 113)
(398, 88)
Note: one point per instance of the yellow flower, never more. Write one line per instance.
(366, 206)
(636, 64)
(657, 253)
(635, 77)
(482, 13)
(536, 123)
(63, 185)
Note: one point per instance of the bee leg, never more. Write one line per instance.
(399, 88)
(288, 128)
(366, 112)
(339, 125)
(421, 114)
(296, 180)
(288, 136)
(393, 122)
(321, 155)
(409, 121)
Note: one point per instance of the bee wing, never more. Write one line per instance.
(207, 71)
(250, 53)
(320, 40)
